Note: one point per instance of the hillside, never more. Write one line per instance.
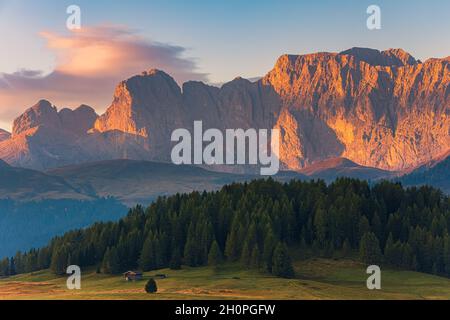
(134, 182)
(436, 174)
(28, 185)
(334, 168)
(129, 181)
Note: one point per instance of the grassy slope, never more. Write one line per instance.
(317, 279)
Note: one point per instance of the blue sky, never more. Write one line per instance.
(225, 39)
(230, 38)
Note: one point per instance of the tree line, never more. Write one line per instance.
(259, 224)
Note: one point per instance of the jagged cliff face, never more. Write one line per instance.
(380, 109)
(148, 107)
(42, 137)
(151, 106)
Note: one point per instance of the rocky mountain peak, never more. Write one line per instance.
(400, 57)
(390, 57)
(155, 72)
(142, 104)
(43, 106)
(42, 113)
(78, 121)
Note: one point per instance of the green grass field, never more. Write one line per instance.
(316, 279)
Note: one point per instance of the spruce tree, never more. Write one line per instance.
(255, 261)
(364, 227)
(151, 286)
(147, 259)
(59, 261)
(246, 255)
(369, 249)
(105, 262)
(191, 252)
(231, 247)
(175, 260)
(114, 262)
(346, 249)
(281, 265)
(111, 262)
(269, 247)
(12, 267)
(214, 256)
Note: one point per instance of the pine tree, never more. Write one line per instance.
(377, 226)
(255, 260)
(369, 249)
(214, 256)
(175, 260)
(147, 260)
(111, 262)
(447, 255)
(191, 250)
(105, 262)
(231, 247)
(12, 267)
(246, 255)
(4, 267)
(321, 227)
(190, 253)
(281, 265)
(346, 249)
(206, 239)
(269, 247)
(151, 286)
(364, 226)
(59, 261)
(389, 250)
(114, 263)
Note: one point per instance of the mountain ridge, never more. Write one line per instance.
(381, 109)
(333, 168)
(436, 174)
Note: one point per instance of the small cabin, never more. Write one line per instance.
(132, 276)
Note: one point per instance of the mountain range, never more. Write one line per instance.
(129, 181)
(380, 109)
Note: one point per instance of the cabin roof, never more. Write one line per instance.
(132, 273)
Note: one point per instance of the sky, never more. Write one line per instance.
(211, 41)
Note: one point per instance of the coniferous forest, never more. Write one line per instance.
(259, 225)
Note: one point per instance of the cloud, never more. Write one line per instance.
(89, 64)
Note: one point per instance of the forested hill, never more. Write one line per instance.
(258, 224)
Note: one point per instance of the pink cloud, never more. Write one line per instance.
(90, 63)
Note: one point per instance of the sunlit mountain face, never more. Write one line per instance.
(381, 109)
